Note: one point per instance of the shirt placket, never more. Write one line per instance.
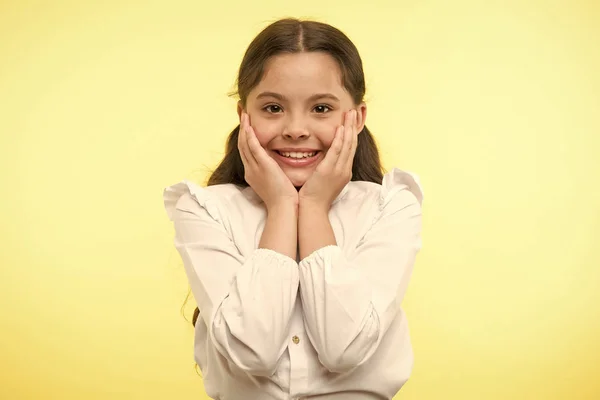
(297, 351)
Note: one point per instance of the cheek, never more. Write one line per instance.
(326, 132)
(265, 130)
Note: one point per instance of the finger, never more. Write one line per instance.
(247, 158)
(347, 142)
(258, 153)
(354, 142)
(333, 154)
(241, 140)
(250, 159)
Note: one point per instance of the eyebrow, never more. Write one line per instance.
(314, 97)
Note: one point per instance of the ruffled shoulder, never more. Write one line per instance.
(173, 198)
(397, 180)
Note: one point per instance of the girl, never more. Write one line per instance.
(299, 251)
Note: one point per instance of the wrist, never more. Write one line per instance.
(283, 206)
(313, 207)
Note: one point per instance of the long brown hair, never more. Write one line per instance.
(288, 36)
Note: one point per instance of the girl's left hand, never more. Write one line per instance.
(335, 171)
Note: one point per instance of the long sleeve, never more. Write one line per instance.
(351, 297)
(246, 303)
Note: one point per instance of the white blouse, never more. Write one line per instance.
(329, 326)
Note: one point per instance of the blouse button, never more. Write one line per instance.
(295, 339)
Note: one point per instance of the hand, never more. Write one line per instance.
(261, 172)
(335, 171)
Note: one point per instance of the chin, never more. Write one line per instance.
(297, 179)
(298, 184)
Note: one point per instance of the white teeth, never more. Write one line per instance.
(297, 155)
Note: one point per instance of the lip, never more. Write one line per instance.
(296, 150)
(301, 162)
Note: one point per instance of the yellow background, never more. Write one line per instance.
(495, 104)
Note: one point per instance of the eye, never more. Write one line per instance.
(273, 109)
(322, 109)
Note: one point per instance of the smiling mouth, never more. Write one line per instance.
(297, 155)
(297, 159)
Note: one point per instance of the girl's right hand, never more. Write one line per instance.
(262, 172)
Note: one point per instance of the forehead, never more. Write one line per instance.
(301, 73)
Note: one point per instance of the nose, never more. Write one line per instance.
(295, 129)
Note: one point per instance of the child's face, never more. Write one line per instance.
(298, 105)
